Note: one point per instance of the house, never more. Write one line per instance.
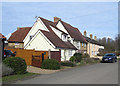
(74, 35)
(2, 42)
(93, 45)
(43, 36)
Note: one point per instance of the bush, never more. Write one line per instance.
(51, 64)
(78, 57)
(88, 60)
(17, 64)
(86, 55)
(72, 59)
(68, 63)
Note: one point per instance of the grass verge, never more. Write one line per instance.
(82, 63)
(118, 58)
(16, 77)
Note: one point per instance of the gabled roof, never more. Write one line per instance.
(47, 23)
(93, 41)
(74, 32)
(53, 37)
(56, 41)
(2, 36)
(19, 35)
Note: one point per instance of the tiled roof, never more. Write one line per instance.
(2, 36)
(93, 41)
(53, 37)
(19, 35)
(56, 41)
(74, 32)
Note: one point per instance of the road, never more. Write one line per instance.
(102, 73)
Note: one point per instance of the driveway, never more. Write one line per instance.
(102, 73)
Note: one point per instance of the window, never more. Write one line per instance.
(77, 43)
(92, 52)
(16, 43)
(70, 52)
(84, 45)
(31, 37)
(64, 37)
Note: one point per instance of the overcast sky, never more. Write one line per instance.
(98, 18)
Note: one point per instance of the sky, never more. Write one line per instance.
(98, 18)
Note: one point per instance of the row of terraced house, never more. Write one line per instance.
(46, 35)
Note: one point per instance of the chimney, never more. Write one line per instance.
(91, 36)
(95, 38)
(18, 28)
(56, 19)
(85, 33)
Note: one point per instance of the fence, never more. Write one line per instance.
(28, 55)
(35, 58)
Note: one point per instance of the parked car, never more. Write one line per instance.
(8, 53)
(109, 57)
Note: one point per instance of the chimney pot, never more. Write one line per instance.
(91, 36)
(18, 28)
(95, 38)
(56, 19)
(85, 33)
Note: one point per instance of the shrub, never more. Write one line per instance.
(51, 64)
(17, 64)
(72, 59)
(88, 60)
(86, 55)
(78, 57)
(68, 63)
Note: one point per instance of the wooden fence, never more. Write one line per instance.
(29, 54)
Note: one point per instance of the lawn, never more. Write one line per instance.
(16, 77)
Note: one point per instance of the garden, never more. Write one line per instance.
(15, 68)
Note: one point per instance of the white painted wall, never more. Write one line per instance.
(77, 44)
(61, 27)
(57, 32)
(65, 56)
(37, 25)
(42, 44)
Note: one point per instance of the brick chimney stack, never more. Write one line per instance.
(18, 28)
(91, 36)
(85, 33)
(56, 19)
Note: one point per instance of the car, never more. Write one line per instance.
(8, 53)
(109, 57)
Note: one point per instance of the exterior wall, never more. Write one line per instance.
(92, 49)
(57, 32)
(61, 27)
(42, 44)
(83, 47)
(77, 44)
(16, 45)
(65, 54)
(38, 25)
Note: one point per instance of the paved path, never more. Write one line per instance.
(102, 73)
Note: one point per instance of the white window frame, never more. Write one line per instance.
(17, 43)
(70, 52)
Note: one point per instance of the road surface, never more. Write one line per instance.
(102, 73)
